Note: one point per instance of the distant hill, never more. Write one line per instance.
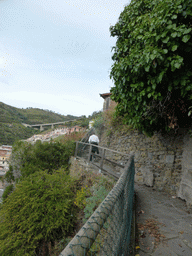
(11, 119)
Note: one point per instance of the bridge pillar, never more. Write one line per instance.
(41, 128)
(52, 126)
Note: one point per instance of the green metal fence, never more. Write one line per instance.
(108, 230)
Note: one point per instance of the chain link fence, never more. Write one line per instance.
(108, 231)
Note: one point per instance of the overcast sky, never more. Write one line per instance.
(56, 54)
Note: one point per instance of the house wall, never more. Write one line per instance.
(5, 152)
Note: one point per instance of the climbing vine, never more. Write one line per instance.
(152, 69)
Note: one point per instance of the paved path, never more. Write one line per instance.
(164, 224)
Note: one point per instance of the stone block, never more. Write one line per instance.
(168, 174)
(148, 177)
(139, 179)
(161, 157)
(161, 152)
(185, 192)
(170, 159)
(150, 155)
(171, 152)
(137, 155)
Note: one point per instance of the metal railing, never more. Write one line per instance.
(107, 232)
(103, 160)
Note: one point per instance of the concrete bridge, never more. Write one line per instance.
(49, 124)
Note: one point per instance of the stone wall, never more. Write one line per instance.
(159, 160)
(185, 189)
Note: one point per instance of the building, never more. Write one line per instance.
(108, 102)
(5, 152)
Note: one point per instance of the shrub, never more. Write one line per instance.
(99, 123)
(8, 190)
(99, 190)
(47, 156)
(38, 212)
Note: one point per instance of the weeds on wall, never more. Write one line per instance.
(99, 124)
(113, 122)
(74, 136)
(97, 193)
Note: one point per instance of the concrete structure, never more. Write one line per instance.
(49, 124)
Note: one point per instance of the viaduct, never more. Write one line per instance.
(49, 124)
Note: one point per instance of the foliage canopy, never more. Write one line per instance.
(46, 156)
(152, 69)
(39, 211)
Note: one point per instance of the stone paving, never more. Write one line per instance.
(164, 224)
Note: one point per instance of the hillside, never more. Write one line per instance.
(11, 119)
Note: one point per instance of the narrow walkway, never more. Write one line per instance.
(164, 224)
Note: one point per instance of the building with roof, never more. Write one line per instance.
(107, 101)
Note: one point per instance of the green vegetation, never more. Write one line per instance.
(11, 119)
(99, 123)
(40, 211)
(72, 137)
(83, 122)
(152, 64)
(94, 189)
(97, 193)
(27, 159)
(11, 114)
(39, 205)
(9, 133)
(45, 201)
(8, 190)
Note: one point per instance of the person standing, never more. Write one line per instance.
(94, 140)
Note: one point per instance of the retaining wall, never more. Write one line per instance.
(162, 161)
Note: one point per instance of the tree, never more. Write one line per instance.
(39, 211)
(47, 156)
(152, 69)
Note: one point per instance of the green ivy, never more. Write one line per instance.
(152, 69)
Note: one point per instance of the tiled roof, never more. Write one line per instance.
(105, 95)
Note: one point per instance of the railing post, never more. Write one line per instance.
(76, 149)
(90, 149)
(102, 157)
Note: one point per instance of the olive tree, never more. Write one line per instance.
(152, 69)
